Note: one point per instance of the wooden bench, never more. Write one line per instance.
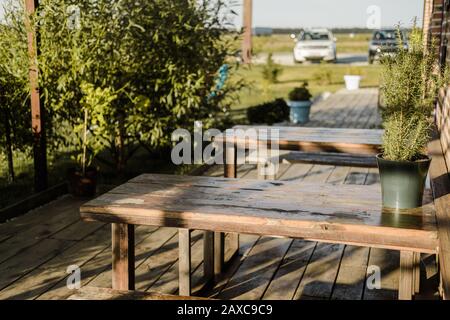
(311, 145)
(347, 215)
(94, 293)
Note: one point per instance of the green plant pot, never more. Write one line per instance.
(403, 182)
(299, 112)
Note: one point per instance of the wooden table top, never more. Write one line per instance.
(349, 214)
(361, 141)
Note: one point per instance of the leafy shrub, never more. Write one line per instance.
(154, 64)
(410, 83)
(405, 137)
(301, 93)
(353, 71)
(323, 76)
(271, 71)
(15, 116)
(268, 113)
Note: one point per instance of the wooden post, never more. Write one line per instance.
(427, 16)
(208, 255)
(184, 262)
(122, 256)
(416, 273)
(247, 26)
(219, 253)
(230, 165)
(9, 149)
(37, 111)
(406, 286)
(230, 171)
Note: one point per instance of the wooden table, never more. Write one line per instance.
(330, 142)
(344, 214)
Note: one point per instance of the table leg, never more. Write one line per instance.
(230, 164)
(122, 256)
(230, 171)
(405, 291)
(184, 262)
(219, 253)
(208, 255)
(234, 243)
(416, 273)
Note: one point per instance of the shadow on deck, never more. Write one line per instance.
(36, 249)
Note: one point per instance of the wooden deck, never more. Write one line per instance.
(36, 249)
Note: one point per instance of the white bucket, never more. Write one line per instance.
(352, 82)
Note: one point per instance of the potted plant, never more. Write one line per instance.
(410, 83)
(352, 78)
(300, 103)
(83, 179)
(95, 102)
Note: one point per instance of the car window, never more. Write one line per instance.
(386, 35)
(307, 36)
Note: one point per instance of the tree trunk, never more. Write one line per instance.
(121, 147)
(9, 149)
(37, 107)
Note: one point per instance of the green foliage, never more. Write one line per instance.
(301, 93)
(268, 113)
(323, 75)
(141, 69)
(271, 71)
(410, 83)
(405, 137)
(354, 71)
(15, 118)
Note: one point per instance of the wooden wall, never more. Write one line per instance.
(436, 26)
(441, 14)
(443, 122)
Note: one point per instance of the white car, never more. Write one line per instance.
(315, 44)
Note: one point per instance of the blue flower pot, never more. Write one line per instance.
(299, 111)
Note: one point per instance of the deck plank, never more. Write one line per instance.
(350, 281)
(292, 268)
(263, 260)
(92, 268)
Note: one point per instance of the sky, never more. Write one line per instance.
(329, 13)
(325, 13)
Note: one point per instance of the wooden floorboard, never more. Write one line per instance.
(37, 248)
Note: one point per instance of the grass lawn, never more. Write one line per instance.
(283, 43)
(321, 78)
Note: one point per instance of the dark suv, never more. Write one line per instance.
(385, 41)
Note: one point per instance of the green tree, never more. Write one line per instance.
(15, 118)
(157, 59)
